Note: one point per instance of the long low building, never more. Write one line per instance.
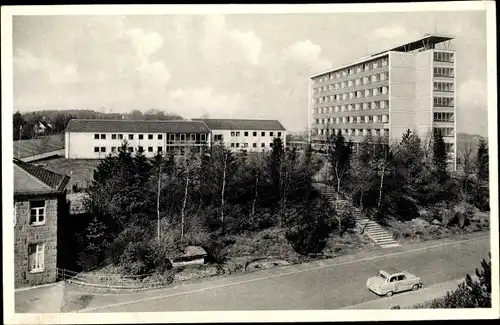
(95, 139)
(249, 135)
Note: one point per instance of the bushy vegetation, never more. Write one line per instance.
(145, 211)
(396, 181)
(472, 293)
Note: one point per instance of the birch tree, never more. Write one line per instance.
(339, 157)
(190, 165)
(224, 167)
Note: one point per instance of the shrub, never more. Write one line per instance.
(143, 257)
(217, 248)
(348, 222)
(469, 294)
(310, 231)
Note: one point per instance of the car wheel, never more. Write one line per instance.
(415, 287)
(389, 294)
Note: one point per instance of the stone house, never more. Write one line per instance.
(38, 197)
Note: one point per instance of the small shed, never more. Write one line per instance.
(192, 255)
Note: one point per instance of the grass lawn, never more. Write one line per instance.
(44, 144)
(81, 171)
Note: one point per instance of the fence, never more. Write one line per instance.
(116, 281)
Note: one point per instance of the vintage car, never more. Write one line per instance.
(388, 282)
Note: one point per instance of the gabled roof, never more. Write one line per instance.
(138, 126)
(45, 124)
(32, 179)
(239, 124)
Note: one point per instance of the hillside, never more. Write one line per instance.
(464, 139)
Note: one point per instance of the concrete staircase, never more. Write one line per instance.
(378, 235)
(374, 231)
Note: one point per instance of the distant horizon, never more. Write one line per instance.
(229, 66)
(186, 119)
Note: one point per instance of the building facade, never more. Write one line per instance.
(95, 139)
(248, 135)
(37, 200)
(411, 86)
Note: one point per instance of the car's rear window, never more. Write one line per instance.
(380, 275)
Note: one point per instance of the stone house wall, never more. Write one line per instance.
(25, 234)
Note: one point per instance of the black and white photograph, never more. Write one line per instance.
(268, 163)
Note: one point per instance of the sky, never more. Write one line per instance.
(224, 66)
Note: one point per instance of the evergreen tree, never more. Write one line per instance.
(482, 160)
(18, 121)
(439, 157)
(275, 167)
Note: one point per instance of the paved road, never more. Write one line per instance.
(328, 287)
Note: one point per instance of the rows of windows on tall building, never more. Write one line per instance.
(354, 69)
(443, 87)
(444, 117)
(246, 134)
(170, 137)
(353, 119)
(443, 101)
(443, 72)
(354, 132)
(444, 57)
(352, 94)
(352, 83)
(383, 104)
(445, 132)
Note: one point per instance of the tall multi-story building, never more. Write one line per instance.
(248, 135)
(411, 86)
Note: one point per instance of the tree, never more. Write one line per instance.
(224, 167)
(190, 166)
(339, 157)
(383, 156)
(18, 122)
(135, 114)
(310, 230)
(256, 165)
(362, 181)
(466, 161)
(482, 159)
(439, 157)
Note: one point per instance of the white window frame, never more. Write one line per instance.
(36, 259)
(38, 214)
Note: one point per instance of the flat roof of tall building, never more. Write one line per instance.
(420, 43)
(407, 47)
(136, 126)
(242, 124)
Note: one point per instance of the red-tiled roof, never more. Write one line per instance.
(139, 126)
(236, 124)
(32, 179)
